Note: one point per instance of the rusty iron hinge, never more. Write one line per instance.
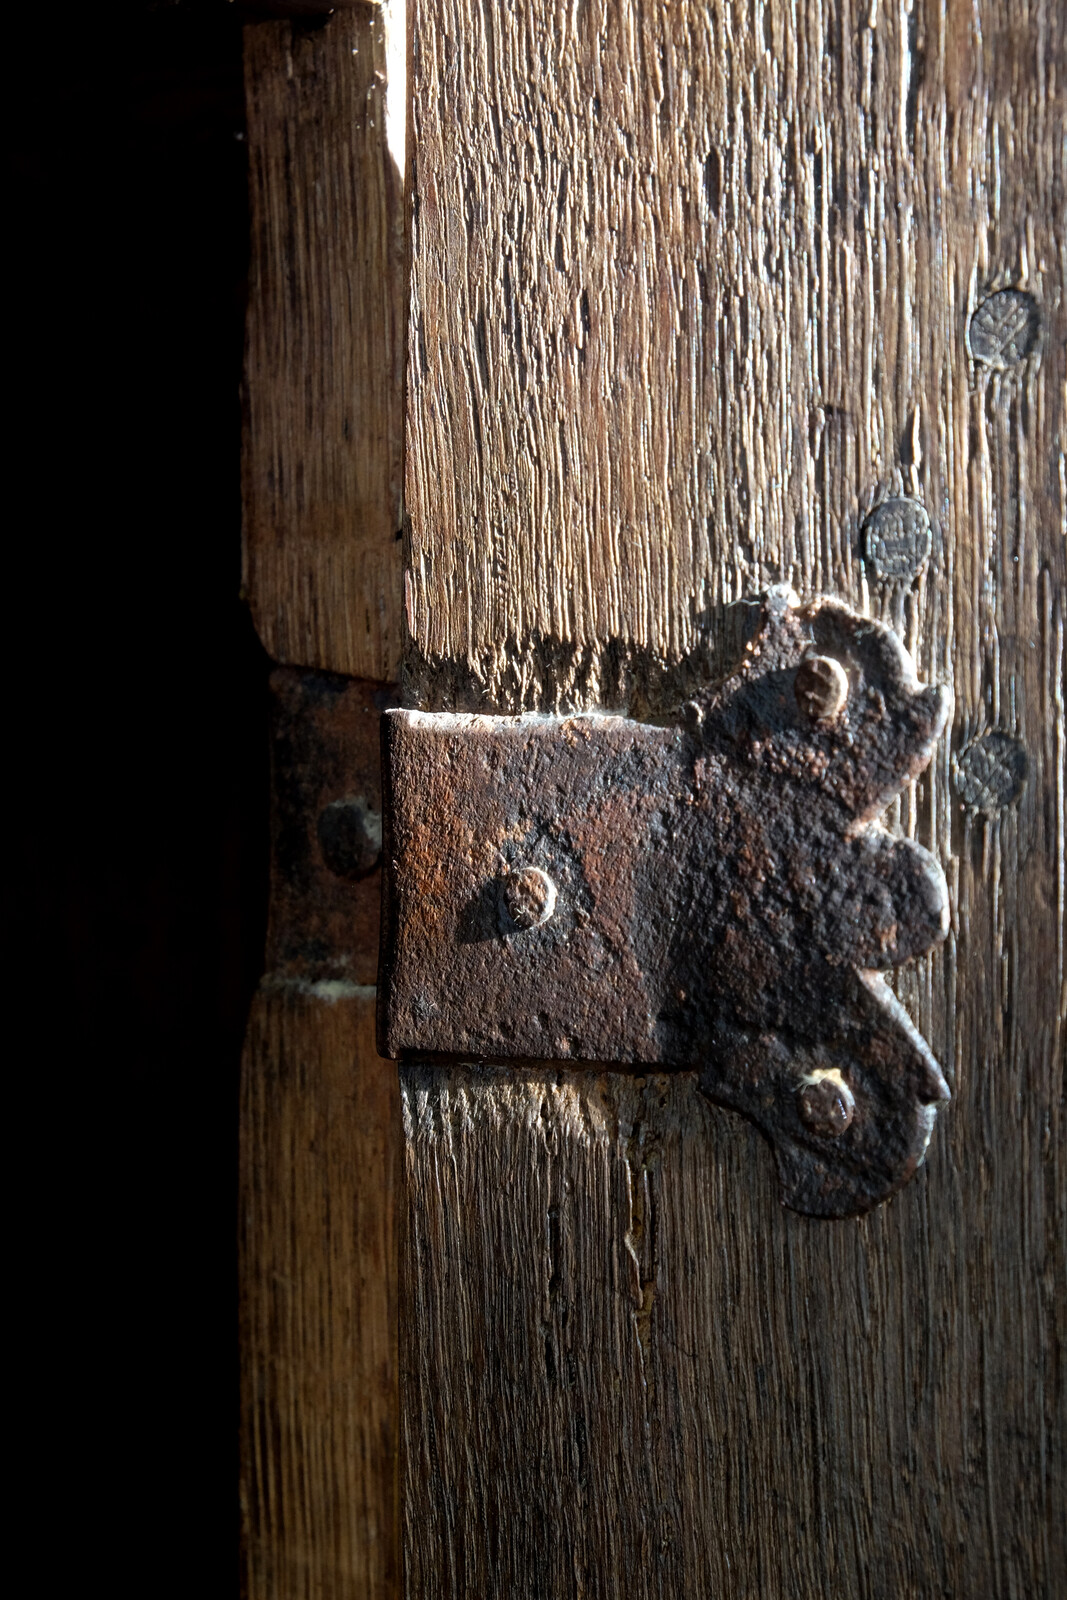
(326, 828)
(714, 895)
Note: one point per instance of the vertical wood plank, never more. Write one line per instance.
(324, 367)
(320, 1133)
(319, 1175)
(324, 378)
(693, 293)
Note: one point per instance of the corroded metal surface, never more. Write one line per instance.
(325, 830)
(897, 541)
(722, 898)
(1004, 328)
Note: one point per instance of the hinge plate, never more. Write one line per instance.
(714, 895)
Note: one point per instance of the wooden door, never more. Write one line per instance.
(690, 292)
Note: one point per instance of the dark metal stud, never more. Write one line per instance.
(897, 540)
(529, 897)
(821, 688)
(990, 772)
(1003, 329)
(350, 837)
(827, 1105)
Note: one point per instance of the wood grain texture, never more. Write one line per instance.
(629, 1372)
(690, 286)
(319, 1169)
(324, 368)
(320, 1138)
(322, 513)
(691, 292)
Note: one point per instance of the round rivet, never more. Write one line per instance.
(827, 1105)
(896, 540)
(529, 897)
(821, 688)
(989, 773)
(1003, 330)
(350, 837)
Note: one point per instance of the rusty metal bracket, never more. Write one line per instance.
(326, 827)
(714, 895)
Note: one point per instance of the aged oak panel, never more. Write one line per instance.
(696, 290)
(325, 338)
(319, 1388)
(322, 518)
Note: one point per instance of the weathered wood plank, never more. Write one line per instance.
(320, 1137)
(322, 514)
(691, 295)
(324, 368)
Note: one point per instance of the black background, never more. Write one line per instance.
(138, 770)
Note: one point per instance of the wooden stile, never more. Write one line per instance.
(318, 1332)
(691, 295)
(322, 519)
(325, 342)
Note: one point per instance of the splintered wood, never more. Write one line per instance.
(696, 288)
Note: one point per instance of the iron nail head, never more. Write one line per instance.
(529, 897)
(827, 1105)
(821, 688)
